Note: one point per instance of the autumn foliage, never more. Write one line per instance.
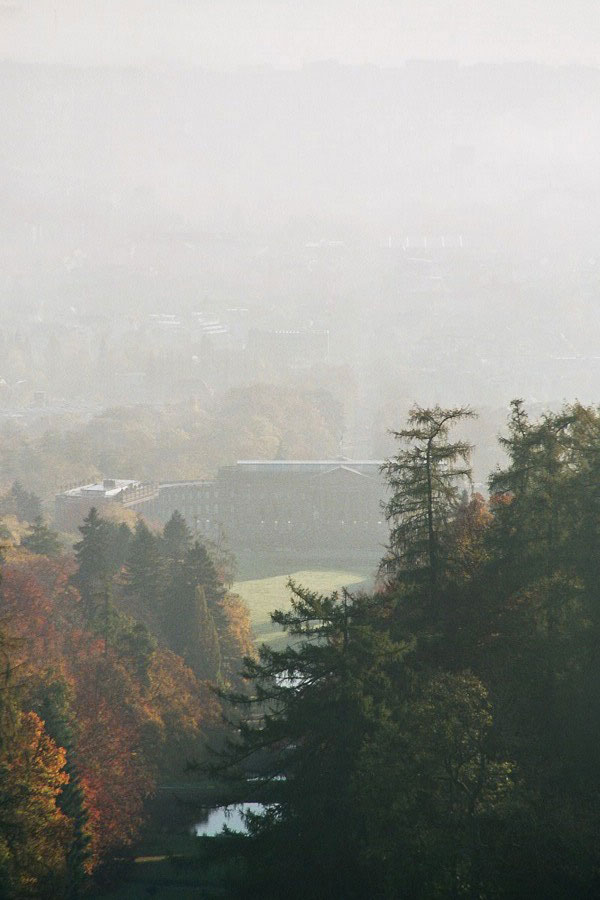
(35, 834)
(97, 711)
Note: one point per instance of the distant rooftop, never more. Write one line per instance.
(108, 488)
(314, 466)
(338, 461)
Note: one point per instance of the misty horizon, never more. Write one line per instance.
(284, 34)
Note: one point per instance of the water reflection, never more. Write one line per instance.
(232, 816)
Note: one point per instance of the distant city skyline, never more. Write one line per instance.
(285, 33)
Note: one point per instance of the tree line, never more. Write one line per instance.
(440, 737)
(109, 658)
(178, 441)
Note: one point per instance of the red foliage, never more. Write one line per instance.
(129, 729)
(27, 609)
(35, 833)
(110, 715)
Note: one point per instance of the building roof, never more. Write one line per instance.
(108, 488)
(308, 466)
(363, 472)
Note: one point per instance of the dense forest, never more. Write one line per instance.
(294, 602)
(440, 738)
(435, 738)
(110, 657)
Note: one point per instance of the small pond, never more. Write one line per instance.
(232, 816)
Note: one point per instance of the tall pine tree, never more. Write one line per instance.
(93, 568)
(144, 575)
(425, 480)
(177, 537)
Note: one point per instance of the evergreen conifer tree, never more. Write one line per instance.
(320, 698)
(93, 572)
(119, 538)
(144, 572)
(199, 568)
(425, 481)
(41, 539)
(177, 537)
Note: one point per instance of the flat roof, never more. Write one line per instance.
(340, 461)
(195, 482)
(98, 489)
(306, 466)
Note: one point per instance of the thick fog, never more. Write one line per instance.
(411, 190)
(284, 33)
(299, 449)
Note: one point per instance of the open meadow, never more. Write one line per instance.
(265, 592)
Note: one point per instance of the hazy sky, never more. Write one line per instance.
(226, 33)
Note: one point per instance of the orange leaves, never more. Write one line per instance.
(186, 710)
(236, 639)
(27, 611)
(110, 714)
(42, 610)
(39, 761)
(35, 833)
(132, 713)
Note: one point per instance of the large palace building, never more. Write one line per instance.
(327, 505)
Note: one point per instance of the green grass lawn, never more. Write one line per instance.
(263, 595)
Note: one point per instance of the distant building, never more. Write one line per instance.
(195, 500)
(283, 504)
(331, 505)
(72, 505)
(311, 504)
